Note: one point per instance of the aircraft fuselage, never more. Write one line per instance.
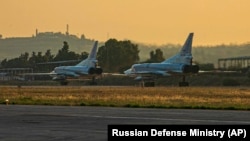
(165, 67)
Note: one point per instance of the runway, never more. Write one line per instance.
(57, 123)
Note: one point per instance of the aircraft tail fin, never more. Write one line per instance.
(187, 47)
(185, 54)
(92, 54)
(91, 60)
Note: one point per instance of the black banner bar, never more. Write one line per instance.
(171, 132)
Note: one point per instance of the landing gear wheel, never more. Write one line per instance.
(63, 83)
(183, 84)
(93, 82)
(149, 84)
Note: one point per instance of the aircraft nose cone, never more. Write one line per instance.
(127, 71)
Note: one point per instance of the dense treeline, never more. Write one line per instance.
(32, 61)
(114, 56)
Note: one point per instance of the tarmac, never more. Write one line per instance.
(83, 123)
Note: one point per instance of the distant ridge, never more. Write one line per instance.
(12, 47)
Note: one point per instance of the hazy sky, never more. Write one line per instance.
(147, 21)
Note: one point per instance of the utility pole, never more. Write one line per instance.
(67, 30)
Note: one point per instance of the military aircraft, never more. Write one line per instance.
(178, 65)
(86, 68)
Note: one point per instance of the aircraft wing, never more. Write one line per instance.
(217, 72)
(70, 74)
(59, 62)
(36, 74)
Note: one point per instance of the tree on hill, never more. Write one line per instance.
(155, 56)
(65, 54)
(20, 62)
(48, 56)
(115, 55)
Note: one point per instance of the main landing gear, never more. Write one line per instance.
(183, 83)
(93, 82)
(64, 83)
(147, 82)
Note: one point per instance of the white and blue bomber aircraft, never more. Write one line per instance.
(180, 64)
